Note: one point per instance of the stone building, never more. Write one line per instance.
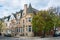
(19, 23)
(25, 21)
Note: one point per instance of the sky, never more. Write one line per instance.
(7, 7)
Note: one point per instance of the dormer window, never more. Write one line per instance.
(18, 16)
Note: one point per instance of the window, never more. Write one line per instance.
(29, 19)
(18, 16)
(29, 28)
(21, 30)
(18, 22)
(23, 21)
(6, 24)
(16, 29)
(23, 25)
(26, 28)
(26, 19)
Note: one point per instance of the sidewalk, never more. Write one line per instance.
(33, 37)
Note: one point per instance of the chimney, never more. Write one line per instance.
(25, 8)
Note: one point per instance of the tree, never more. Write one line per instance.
(55, 17)
(44, 21)
(1, 25)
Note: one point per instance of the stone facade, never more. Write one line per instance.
(20, 22)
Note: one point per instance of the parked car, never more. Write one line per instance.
(57, 34)
(8, 35)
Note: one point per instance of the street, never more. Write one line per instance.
(25, 38)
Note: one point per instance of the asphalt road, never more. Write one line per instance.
(25, 38)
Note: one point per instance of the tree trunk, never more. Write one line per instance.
(44, 32)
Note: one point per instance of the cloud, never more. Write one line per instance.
(7, 7)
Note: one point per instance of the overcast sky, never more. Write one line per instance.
(7, 7)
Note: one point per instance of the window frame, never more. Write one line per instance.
(29, 28)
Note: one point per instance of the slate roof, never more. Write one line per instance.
(31, 10)
(2, 19)
(9, 17)
(18, 13)
(21, 11)
(15, 16)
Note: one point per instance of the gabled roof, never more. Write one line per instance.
(14, 16)
(21, 11)
(9, 17)
(30, 9)
(5, 19)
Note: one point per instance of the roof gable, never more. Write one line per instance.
(12, 17)
(30, 9)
